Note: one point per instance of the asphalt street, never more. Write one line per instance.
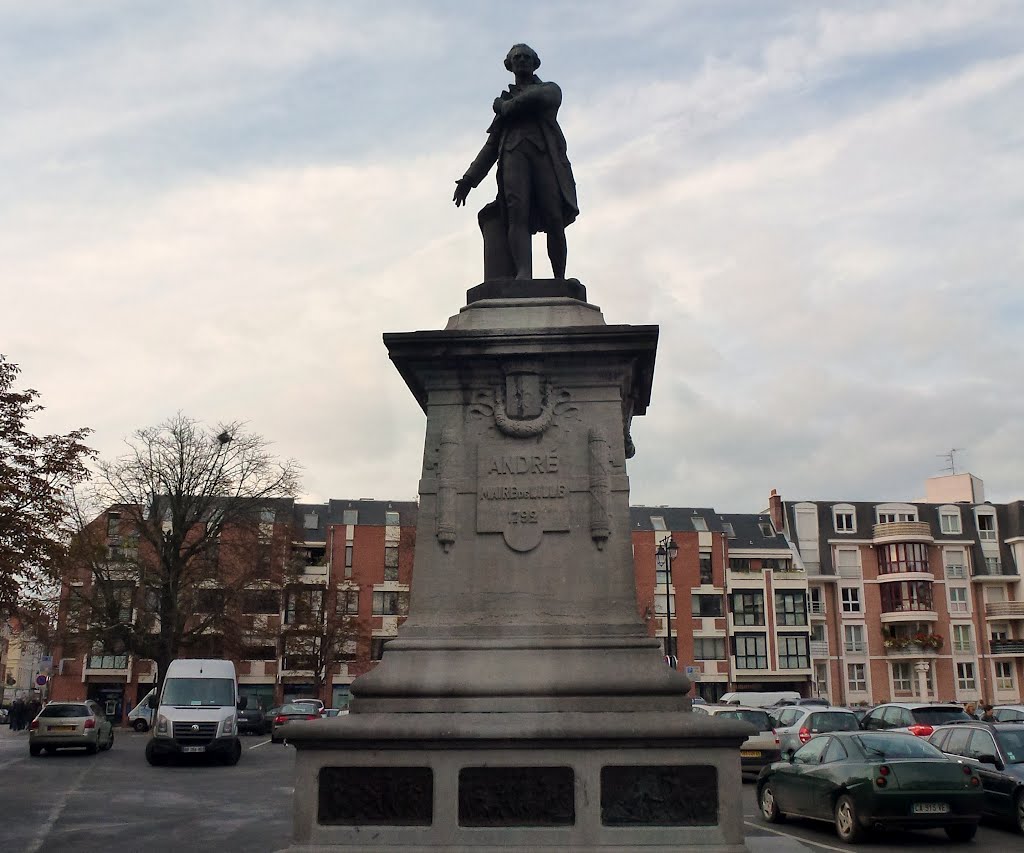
(114, 801)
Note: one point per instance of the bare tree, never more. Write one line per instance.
(187, 521)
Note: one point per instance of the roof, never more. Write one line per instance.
(748, 530)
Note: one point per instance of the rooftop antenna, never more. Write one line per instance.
(950, 458)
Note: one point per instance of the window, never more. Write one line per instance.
(821, 679)
(661, 569)
(793, 653)
(728, 530)
(261, 601)
(705, 569)
(949, 520)
(817, 604)
(790, 608)
(266, 525)
(350, 517)
(377, 645)
(739, 564)
(259, 651)
(348, 602)
(348, 650)
(856, 677)
(845, 520)
(902, 557)
(706, 605)
(115, 599)
(992, 566)
(987, 526)
(962, 638)
(699, 523)
(965, 677)
(901, 678)
(776, 565)
(834, 752)
(390, 603)
(113, 525)
(348, 559)
(958, 599)
(854, 637)
(751, 651)
(848, 562)
(1004, 675)
(709, 648)
(664, 604)
(906, 596)
(767, 530)
(311, 521)
(391, 519)
(851, 599)
(391, 563)
(892, 516)
(658, 523)
(748, 608)
(953, 559)
(303, 606)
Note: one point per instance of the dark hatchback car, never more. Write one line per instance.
(254, 721)
(995, 751)
(290, 713)
(863, 780)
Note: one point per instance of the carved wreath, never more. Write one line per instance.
(524, 429)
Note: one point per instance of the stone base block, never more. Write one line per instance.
(593, 790)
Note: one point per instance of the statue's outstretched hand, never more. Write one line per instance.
(462, 188)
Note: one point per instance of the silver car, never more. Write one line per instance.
(798, 724)
(70, 724)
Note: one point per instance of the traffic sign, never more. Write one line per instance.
(41, 680)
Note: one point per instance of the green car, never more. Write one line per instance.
(864, 780)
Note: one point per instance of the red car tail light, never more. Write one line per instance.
(805, 734)
(280, 718)
(975, 781)
(883, 770)
(966, 769)
(90, 723)
(920, 730)
(313, 717)
(34, 724)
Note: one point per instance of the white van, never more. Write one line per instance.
(197, 712)
(753, 699)
(140, 717)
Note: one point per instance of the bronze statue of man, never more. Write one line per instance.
(536, 189)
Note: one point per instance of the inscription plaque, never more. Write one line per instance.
(653, 795)
(521, 495)
(516, 796)
(376, 796)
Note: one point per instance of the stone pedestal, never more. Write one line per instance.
(523, 705)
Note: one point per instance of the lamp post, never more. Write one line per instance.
(668, 549)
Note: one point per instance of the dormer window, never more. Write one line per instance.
(987, 526)
(949, 520)
(699, 524)
(844, 519)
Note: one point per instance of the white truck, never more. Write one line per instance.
(196, 712)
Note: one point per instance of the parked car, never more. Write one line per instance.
(140, 717)
(290, 713)
(995, 751)
(315, 703)
(917, 718)
(756, 751)
(70, 724)
(335, 712)
(797, 725)
(254, 721)
(1008, 713)
(861, 780)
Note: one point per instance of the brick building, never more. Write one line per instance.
(918, 600)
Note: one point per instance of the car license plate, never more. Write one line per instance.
(62, 728)
(750, 753)
(931, 808)
(193, 749)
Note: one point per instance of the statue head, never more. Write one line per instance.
(520, 50)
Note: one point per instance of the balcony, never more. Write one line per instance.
(106, 663)
(902, 531)
(1005, 610)
(908, 615)
(996, 572)
(819, 648)
(956, 572)
(817, 609)
(1007, 647)
(912, 650)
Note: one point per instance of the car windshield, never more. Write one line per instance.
(758, 718)
(65, 711)
(1013, 745)
(208, 692)
(939, 716)
(295, 708)
(887, 746)
(832, 721)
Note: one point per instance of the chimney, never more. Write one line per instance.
(775, 508)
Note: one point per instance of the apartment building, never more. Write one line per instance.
(333, 592)
(731, 606)
(917, 600)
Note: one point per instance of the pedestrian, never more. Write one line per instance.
(17, 714)
(986, 714)
(972, 710)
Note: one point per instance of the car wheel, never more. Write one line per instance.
(848, 827)
(110, 742)
(140, 725)
(1018, 811)
(962, 832)
(769, 805)
(91, 749)
(275, 739)
(231, 758)
(153, 757)
(34, 750)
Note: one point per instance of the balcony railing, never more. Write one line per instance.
(1011, 609)
(902, 531)
(819, 648)
(992, 570)
(107, 662)
(817, 608)
(1007, 647)
(955, 572)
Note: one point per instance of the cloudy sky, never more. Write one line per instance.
(218, 208)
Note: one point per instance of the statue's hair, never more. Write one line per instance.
(528, 49)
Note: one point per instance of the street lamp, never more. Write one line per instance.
(668, 549)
